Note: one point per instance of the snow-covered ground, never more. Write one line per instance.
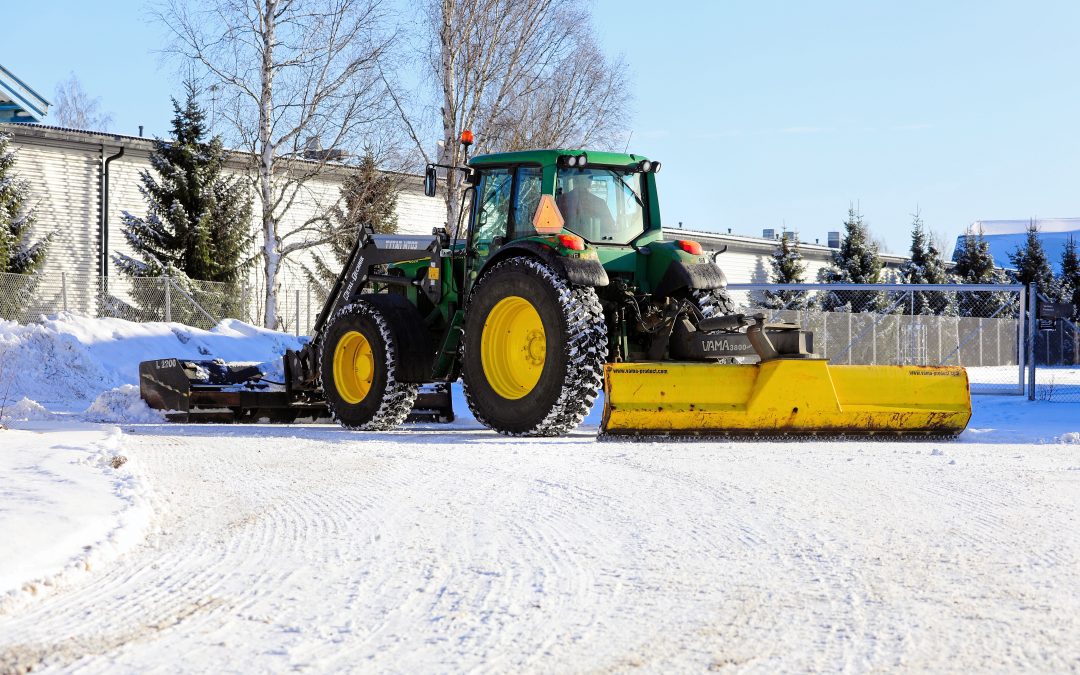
(70, 501)
(273, 548)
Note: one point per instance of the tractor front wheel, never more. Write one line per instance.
(535, 349)
(357, 365)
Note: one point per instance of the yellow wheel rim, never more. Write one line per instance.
(513, 347)
(354, 367)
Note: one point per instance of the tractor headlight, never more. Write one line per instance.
(656, 167)
(644, 166)
(582, 160)
(571, 161)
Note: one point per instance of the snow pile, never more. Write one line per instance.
(23, 410)
(122, 404)
(70, 503)
(65, 362)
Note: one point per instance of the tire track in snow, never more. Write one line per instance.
(288, 548)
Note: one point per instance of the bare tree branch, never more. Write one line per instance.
(294, 76)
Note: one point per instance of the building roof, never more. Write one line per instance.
(63, 136)
(18, 102)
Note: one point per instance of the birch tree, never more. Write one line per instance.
(294, 77)
(75, 109)
(520, 74)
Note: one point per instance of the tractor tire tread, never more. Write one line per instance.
(397, 398)
(585, 352)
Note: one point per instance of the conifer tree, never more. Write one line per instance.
(974, 264)
(198, 224)
(1070, 275)
(925, 266)
(787, 268)
(368, 197)
(855, 262)
(1032, 264)
(18, 255)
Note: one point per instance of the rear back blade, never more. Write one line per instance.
(784, 396)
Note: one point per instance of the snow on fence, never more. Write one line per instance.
(980, 327)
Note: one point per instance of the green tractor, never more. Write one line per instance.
(561, 268)
(560, 285)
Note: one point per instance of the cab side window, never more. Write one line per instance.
(529, 179)
(492, 205)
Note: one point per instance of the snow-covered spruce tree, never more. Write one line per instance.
(1070, 275)
(368, 197)
(855, 262)
(926, 267)
(974, 264)
(1032, 265)
(198, 222)
(18, 253)
(787, 268)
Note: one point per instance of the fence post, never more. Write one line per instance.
(873, 343)
(1033, 301)
(63, 289)
(297, 310)
(168, 299)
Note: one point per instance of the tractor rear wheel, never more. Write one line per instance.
(534, 351)
(357, 371)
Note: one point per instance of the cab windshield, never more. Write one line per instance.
(602, 206)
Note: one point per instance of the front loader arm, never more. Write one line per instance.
(371, 251)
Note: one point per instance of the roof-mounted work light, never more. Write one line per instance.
(574, 161)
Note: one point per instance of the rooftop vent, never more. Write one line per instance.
(313, 149)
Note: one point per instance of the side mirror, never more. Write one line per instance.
(472, 177)
(430, 180)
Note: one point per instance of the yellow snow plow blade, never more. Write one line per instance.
(784, 396)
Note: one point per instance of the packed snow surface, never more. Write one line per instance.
(451, 548)
(311, 547)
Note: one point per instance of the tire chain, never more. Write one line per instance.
(398, 400)
(587, 353)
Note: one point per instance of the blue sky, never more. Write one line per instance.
(764, 113)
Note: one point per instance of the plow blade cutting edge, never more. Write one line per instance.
(784, 396)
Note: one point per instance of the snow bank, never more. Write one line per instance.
(23, 410)
(70, 503)
(122, 404)
(65, 362)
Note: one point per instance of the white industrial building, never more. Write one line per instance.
(746, 258)
(66, 170)
(82, 181)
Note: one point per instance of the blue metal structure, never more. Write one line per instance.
(18, 102)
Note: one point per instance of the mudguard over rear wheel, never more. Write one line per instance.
(535, 348)
(357, 370)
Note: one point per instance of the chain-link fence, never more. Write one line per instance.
(980, 327)
(1054, 356)
(28, 297)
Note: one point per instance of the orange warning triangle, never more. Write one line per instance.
(547, 219)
